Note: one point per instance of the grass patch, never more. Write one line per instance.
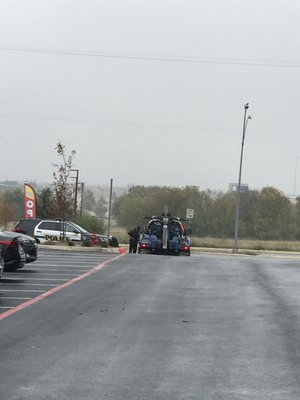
(250, 246)
(120, 233)
(255, 245)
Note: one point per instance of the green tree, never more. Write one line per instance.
(46, 204)
(275, 215)
(15, 199)
(249, 213)
(296, 220)
(265, 214)
(89, 201)
(223, 215)
(91, 223)
(140, 201)
(101, 207)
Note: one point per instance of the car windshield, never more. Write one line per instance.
(79, 228)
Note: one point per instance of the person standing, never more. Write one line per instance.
(134, 237)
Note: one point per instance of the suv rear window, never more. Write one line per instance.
(26, 225)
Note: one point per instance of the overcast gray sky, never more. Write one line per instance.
(151, 92)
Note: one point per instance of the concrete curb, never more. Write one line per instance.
(123, 249)
(80, 248)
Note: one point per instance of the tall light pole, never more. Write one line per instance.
(295, 177)
(76, 190)
(81, 202)
(238, 191)
(109, 209)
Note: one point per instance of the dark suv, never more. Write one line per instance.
(26, 226)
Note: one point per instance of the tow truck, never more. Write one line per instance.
(165, 234)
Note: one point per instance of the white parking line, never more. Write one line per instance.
(46, 279)
(27, 276)
(30, 284)
(60, 271)
(56, 273)
(23, 290)
(5, 308)
(15, 298)
(64, 266)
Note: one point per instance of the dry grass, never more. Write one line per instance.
(270, 245)
(217, 243)
(119, 233)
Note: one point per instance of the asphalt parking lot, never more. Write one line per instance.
(52, 270)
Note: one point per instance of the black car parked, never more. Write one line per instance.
(30, 247)
(12, 250)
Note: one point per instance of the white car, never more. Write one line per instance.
(57, 230)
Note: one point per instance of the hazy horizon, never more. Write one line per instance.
(151, 93)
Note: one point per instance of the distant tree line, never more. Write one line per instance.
(266, 214)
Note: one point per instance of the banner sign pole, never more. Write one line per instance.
(29, 201)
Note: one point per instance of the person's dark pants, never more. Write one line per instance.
(132, 246)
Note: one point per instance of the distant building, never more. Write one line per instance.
(233, 187)
(293, 198)
(9, 185)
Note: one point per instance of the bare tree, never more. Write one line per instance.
(63, 190)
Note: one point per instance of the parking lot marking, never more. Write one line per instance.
(15, 298)
(56, 274)
(5, 308)
(61, 272)
(46, 279)
(48, 293)
(23, 290)
(32, 284)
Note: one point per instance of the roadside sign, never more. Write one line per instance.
(189, 213)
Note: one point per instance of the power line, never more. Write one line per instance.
(122, 123)
(145, 57)
(142, 125)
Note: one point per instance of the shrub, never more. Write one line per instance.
(91, 223)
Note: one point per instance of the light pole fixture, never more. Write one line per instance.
(238, 189)
(76, 189)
